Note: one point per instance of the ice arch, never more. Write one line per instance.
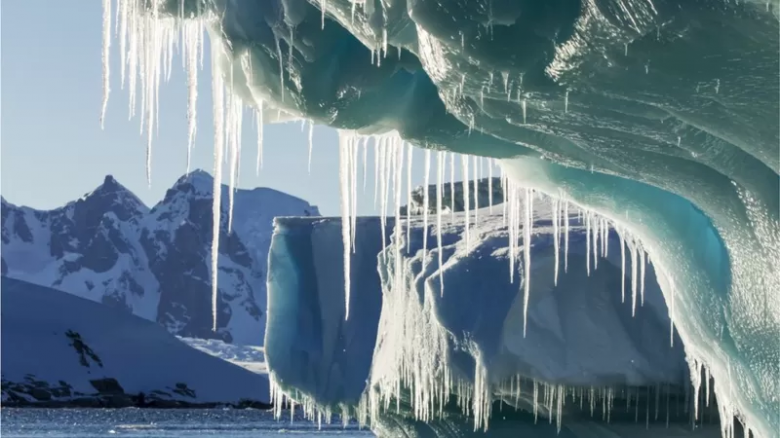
(662, 115)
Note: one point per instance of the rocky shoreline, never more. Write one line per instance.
(35, 393)
(126, 402)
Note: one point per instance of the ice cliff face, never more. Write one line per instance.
(659, 115)
(584, 356)
(109, 247)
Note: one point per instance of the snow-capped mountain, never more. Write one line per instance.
(109, 247)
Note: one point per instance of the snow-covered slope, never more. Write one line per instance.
(246, 356)
(68, 342)
(109, 247)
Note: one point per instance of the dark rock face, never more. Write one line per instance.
(109, 247)
(107, 386)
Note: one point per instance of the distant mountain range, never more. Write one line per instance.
(111, 248)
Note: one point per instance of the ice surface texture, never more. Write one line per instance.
(660, 115)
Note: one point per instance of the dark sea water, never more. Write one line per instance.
(131, 422)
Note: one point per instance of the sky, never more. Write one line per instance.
(54, 150)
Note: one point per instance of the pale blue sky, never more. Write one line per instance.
(53, 150)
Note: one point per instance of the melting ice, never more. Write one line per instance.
(681, 159)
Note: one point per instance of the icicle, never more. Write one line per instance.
(536, 400)
(190, 56)
(566, 237)
(355, 145)
(510, 200)
(464, 161)
(671, 312)
(490, 187)
(524, 111)
(587, 244)
(311, 142)
(596, 230)
(344, 168)
(642, 275)
(439, 180)
(527, 256)
(476, 190)
(324, 7)
(566, 102)
(219, 144)
(634, 267)
(106, 58)
(452, 184)
(559, 408)
(400, 148)
(382, 145)
(409, 191)
(695, 367)
(622, 268)
(426, 203)
(556, 242)
(233, 128)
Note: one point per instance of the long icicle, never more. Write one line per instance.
(464, 161)
(527, 255)
(622, 267)
(191, 42)
(490, 186)
(634, 275)
(219, 144)
(344, 168)
(556, 242)
(452, 184)
(106, 59)
(409, 195)
(426, 203)
(439, 180)
(474, 163)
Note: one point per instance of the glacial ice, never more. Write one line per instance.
(409, 346)
(659, 116)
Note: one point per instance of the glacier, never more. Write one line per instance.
(660, 116)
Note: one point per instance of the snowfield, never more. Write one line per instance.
(55, 345)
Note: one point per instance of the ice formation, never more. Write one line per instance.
(681, 158)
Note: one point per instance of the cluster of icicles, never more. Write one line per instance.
(657, 405)
(147, 43)
(393, 165)
(411, 354)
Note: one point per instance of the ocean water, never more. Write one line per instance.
(132, 422)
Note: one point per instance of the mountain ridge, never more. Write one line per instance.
(108, 246)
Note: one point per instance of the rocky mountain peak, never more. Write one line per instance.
(109, 247)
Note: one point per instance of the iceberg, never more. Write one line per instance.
(661, 117)
(584, 338)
